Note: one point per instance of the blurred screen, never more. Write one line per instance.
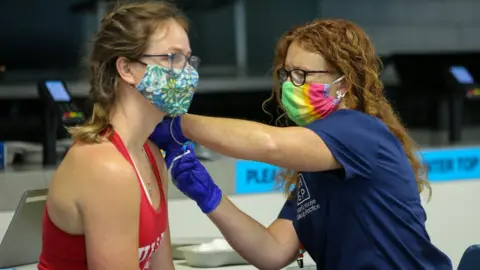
(461, 74)
(57, 91)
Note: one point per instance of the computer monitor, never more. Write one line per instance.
(464, 81)
(22, 242)
(428, 73)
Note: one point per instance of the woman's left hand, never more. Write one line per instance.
(168, 133)
(162, 136)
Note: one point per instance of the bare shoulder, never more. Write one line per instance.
(109, 204)
(88, 177)
(98, 169)
(89, 158)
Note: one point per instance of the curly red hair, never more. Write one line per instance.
(348, 50)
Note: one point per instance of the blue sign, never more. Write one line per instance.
(3, 157)
(255, 177)
(443, 165)
(452, 164)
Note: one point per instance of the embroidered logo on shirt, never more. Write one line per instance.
(303, 194)
(305, 203)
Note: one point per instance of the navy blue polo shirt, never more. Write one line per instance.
(367, 215)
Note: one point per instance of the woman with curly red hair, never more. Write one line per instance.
(355, 171)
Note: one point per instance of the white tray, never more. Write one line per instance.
(183, 242)
(209, 259)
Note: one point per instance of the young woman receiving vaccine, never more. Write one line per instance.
(355, 171)
(107, 205)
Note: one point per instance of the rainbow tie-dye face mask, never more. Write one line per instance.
(309, 102)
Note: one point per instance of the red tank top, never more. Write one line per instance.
(61, 251)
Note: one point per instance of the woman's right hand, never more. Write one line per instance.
(266, 248)
(191, 178)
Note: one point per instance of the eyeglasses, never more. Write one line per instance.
(176, 61)
(297, 76)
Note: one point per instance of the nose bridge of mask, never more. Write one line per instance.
(167, 70)
(168, 73)
(291, 91)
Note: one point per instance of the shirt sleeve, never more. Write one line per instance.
(352, 137)
(288, 210)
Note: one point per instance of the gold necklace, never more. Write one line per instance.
(149, 183)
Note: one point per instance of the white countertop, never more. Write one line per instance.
(179, 265)
(5, 218)
(182, 265)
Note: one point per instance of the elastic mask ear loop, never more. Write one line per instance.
(338, 80)
(340, 94)
(173, 136)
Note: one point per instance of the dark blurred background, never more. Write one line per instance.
(418, 40)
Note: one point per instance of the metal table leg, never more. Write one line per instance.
(456, 118)
(101, 10)
(240, 29)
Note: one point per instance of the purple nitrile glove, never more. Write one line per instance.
(175, 150)
(191, 178)
(171, 153)
(168, 136)
(168, 132)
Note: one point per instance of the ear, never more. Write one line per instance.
(125, 71)
(343, 87)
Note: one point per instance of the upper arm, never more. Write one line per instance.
(110, 212)
(162, 258)
(344, 139)
(301, 149)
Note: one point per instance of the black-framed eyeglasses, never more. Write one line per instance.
(176, 61)
(297, 76)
